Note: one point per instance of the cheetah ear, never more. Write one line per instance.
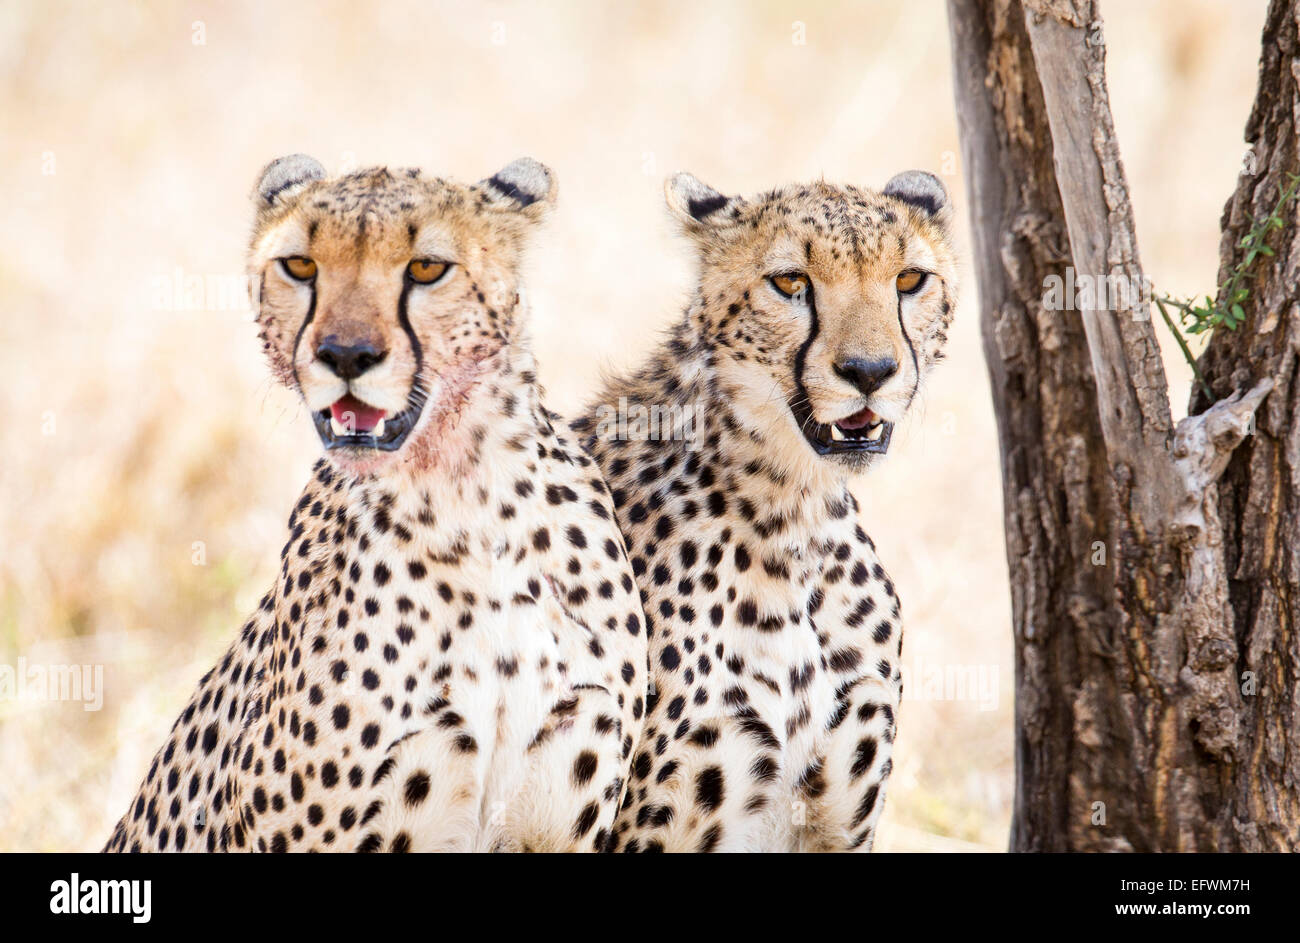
(698, 206)
(925, 192)
(283, 176)
(524, 184)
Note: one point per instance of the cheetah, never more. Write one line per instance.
(453, 656)
(775, 632)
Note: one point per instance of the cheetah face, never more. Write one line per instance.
(827, 305)
(384, 297)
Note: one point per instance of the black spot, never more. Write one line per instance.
(584, 768)
(863, 757)
(586, 820)
(865, 806)
(341, 716)
(417, 788)
(709, 788)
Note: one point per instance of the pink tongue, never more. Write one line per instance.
(350, 411)
(858, 420)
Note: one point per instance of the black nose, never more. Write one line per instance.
(867, 375)
(348, 361)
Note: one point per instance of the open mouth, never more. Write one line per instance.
(349, 423)
(863, 431)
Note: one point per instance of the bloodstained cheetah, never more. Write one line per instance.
(775, 632)
(452, 657)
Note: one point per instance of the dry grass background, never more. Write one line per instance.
(134, 430)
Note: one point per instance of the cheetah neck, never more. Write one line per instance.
(769, 472)
(426, 515)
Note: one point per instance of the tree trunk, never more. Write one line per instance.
(1259, 493)
(1140, 593)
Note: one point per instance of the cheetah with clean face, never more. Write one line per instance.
(453, 655)
(775, 632)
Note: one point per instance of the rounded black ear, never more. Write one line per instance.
(924, 191)
(524, 184)
(284, 175)
(697, 205)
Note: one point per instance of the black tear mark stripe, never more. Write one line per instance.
(801, 392)
(522, 197)
(705, 207)
(404, 319)
(311, 314)
(916, 370)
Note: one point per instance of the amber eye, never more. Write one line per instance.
(426, 271)
(299, 267)
(910, 282)
(790, 283)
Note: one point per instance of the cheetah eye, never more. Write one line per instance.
(790, 283)
(299, 267)
(427, 271)
(910, 282)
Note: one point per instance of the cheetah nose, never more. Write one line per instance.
(867, 375)
(348, 361)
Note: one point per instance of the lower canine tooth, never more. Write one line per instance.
(836, 434)
(337, 427)
(379, 429)
(875, 431)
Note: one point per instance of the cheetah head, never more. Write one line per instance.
(383, 297)
(826, 306)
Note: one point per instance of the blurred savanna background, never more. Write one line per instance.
(149, 464)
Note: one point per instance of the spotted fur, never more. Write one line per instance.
(453, 655)
(775, 632)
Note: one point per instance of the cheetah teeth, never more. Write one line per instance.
(872, 433)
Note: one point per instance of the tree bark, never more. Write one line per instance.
(1259, 493)
(1131, 720)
